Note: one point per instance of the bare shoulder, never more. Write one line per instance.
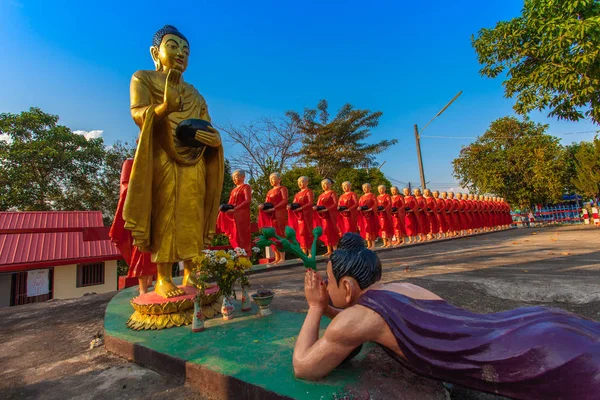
(356, 324)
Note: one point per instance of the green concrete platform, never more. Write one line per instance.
(251, 358)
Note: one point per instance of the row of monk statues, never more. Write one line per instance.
(398, 218)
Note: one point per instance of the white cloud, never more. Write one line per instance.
(6, 137)
(95, 134)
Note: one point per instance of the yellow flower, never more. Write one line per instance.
(245, 263)
(221, 253)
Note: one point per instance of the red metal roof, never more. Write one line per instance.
(49, 221)
(57, 239)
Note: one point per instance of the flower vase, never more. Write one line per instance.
(198, 320)
(227, 308)
(246, 304)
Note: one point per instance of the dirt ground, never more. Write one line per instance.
(45, 348)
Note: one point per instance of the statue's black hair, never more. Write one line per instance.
(167, 30)
(353, 259)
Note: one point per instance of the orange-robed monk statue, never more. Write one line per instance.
(177, 174)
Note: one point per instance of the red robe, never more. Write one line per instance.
(398, 216)
(432, 215)
(462, 219)
(139, 262)
(348, 219)
(411, 219)
(278, 219)
(507, 217)
(441, 214)
(422, 216)
(486, 214)
(456, 215)
(301, 219)
(386, 225)
(476, 214)
(367, 220)
(237, 225)
(469, 213)
(328, 219)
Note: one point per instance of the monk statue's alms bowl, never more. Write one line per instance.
(380, 208)
(295, 206)
(363, 208)
(342, 208)
(186, 131)
(321, 208)
(226, 207)
(268, 206)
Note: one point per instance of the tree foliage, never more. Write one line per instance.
(337, 143)
(44, 166)
(550, 56)
(358, 176)
(516, 160)
(586, 178)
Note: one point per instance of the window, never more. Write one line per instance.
(90, 274)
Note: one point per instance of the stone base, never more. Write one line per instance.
(153, 311)
(251, 358)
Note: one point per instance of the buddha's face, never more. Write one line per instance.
(238, 179)
(173, 53)
(459, 196)
(451, 195)
(427, 193)
(346, 187)
(325, 185)
(471, 197)
(366, 188)
(480, 198)
(406, 191)
(394, 191)
(417, 192)
(275, 180)
(381, 189)
(444, 195)
(436, 194)
(302, 183)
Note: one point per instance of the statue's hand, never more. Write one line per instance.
(210, 137)
(172, 99)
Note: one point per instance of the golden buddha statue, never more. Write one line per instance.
(175, 185)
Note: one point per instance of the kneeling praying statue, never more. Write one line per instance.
(526, 353)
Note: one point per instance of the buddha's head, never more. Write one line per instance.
(275, 179)
(450, 195)
(238, 176)
(459, 196)
(436, 194)
(480, 197)
(486, 198)
(381, 189)
(326, 184)
(394, 190)
(417, 192)
(346, 186)
(366, 187)
(352, 269)
(444, 195)
(303, 182)
(471, 196)
(427, 193)
(406, 191)
(170, 49)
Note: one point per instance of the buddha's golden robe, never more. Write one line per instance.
(173, 200)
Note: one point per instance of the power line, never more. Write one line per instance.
(503, 137)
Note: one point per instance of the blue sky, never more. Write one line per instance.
(255, 59)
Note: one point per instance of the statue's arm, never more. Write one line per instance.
(140, 98)
(247, 199)
(315, 357)
(284, 198)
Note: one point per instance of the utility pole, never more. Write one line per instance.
(421, 171)
(418, 139)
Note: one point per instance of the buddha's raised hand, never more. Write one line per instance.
(172, 98)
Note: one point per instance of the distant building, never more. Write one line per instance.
(54, 254)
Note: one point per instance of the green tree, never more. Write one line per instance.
(358, 176)
(227, 183)
(289, 179)
(550, 57)
(337, 143)
(45, 166)
(587, 172)
(516, 160)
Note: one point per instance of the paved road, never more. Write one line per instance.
(44, 348)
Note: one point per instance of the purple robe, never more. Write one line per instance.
(526, 353)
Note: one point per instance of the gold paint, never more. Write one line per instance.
(173, 199)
